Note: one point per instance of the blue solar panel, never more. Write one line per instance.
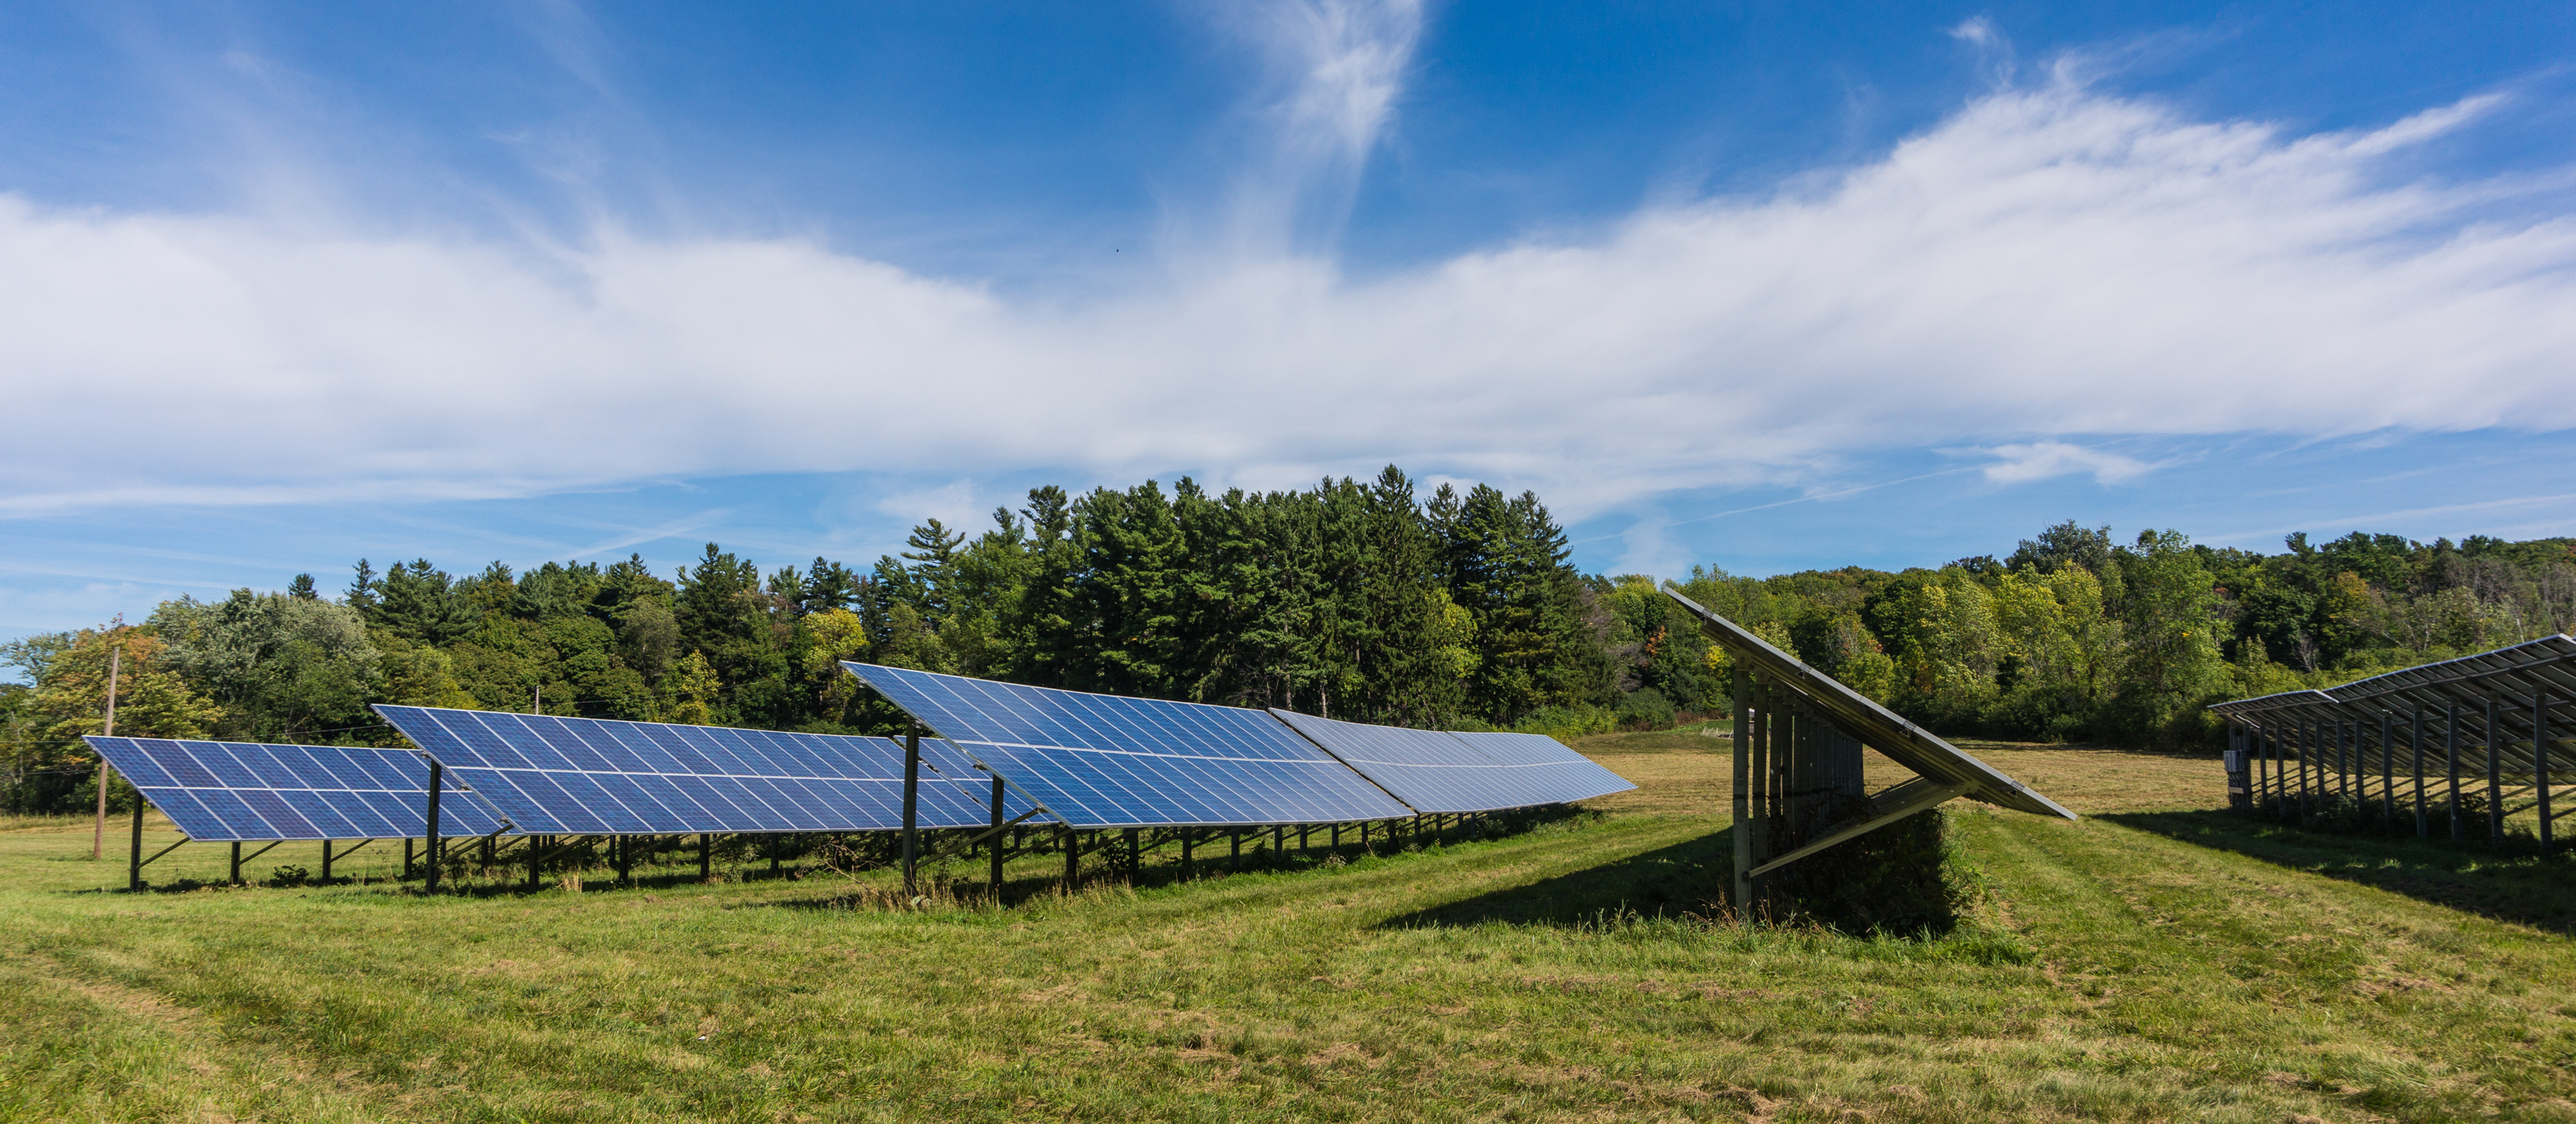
(593, 776)
(1454, 772)
(1428, 769)
(1110, 761)
(1545, 769)
(242, 792)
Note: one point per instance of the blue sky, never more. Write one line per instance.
(1760, 286)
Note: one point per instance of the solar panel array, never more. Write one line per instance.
(237, 791)
(2532, 686)
(1093, 761)
(1111, 761)
(593, 776)
(1437, 771)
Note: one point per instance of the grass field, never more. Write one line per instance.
(2154, 961)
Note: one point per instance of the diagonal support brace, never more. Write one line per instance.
(1897, 803)
(167, 850)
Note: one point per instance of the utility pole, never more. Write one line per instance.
(539, 706)
(115, 667)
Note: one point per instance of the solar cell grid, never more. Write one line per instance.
(1437, 771)
(592, 776)
(243, 792)
(1110, 761)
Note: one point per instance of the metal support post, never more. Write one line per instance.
(625, 860)
(706, 864)
(236, 879)
(437, 781)
(1743, 824)
(1337, 839)
(1072, 857)
(2387, 782)
(2451, 740)
(1234, 856)
(2306, 803)
(911, 806)
(2540, 764)
(773, 840)
(997, 840)
(2495, 779)
(2347, 746)
(2415, 744)
(2280, 771)
(134, 865)
(1759, 738)
(407, 859)
(326, 862)
(1135, 858)
(1185, 855)
(536, 858)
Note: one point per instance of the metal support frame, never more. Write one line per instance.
(2540, 765)
(911, 807)
(1743, 823)
(163, 851)
(1904, 800)
(239, 858)
(2387, 780)
(134, 859)
(2415, 744)
(2451, 740)
(2495, 779)
(327, 856)
(998, 825)
(1072, 856)
(706, 861)
(437, 857)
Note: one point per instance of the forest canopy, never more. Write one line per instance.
(1370, 601)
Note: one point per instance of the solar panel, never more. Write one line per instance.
(1545, 769)
(1881, 729)
(1112, 761)
(243, 792)
(1445, 772)
(595, 776)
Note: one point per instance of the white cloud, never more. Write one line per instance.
(2045, 266)
(2021, 464)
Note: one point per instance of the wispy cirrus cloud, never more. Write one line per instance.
(2042, 460)
(2046, 266)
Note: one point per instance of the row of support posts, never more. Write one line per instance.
(1797, 777)
(2300, 764)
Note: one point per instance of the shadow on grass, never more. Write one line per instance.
(2509, 884)
(1687, 877)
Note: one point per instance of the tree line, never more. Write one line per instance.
(1369, 601)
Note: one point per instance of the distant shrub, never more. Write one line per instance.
(1645, 709)
(289, 877)
(1568, 723)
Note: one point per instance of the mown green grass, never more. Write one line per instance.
(2143, 967)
